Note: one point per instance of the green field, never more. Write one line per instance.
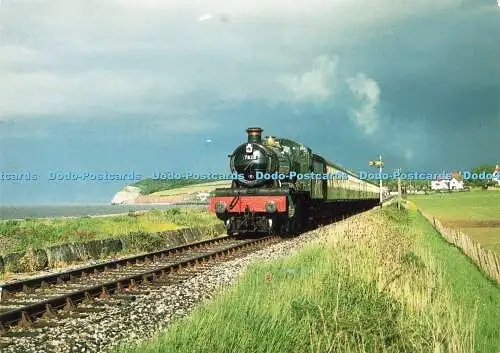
(477, 213)
(200, 187)
(18, 235)
(385, 281)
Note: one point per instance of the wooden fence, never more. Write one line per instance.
(486, 260)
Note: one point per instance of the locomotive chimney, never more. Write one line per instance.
(254, 135)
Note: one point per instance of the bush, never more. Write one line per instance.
(397, 215)
(149, 186)
(173, 212)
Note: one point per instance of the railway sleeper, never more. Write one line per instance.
(70, 305)
(104, 293)
(49, 312)
(25, 321)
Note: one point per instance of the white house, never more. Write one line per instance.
(456, 184)
(447, 184)
(496, 174)
(439, 184)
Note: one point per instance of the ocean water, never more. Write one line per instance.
(21, 212)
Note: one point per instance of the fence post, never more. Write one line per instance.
(484, 259)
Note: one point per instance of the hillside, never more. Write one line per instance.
(149, 191)
(149, 186)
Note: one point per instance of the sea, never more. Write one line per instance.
(49, 211)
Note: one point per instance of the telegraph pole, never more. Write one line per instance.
(380, 175)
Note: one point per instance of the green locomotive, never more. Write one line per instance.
(284, 187)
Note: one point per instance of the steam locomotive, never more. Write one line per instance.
(284, 188)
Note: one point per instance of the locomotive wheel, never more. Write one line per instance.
(292, 226)
(297, 221)
(289, 227)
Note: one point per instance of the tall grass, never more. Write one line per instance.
(470, 289)
(379, 282)
(37, 233)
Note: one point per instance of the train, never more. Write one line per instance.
(282, 188)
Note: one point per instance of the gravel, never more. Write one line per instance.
(132, 319)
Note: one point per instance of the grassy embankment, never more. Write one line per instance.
(382, 282)
(476, 213)
(176, 191)
(201, 187)
(37, 233)
(151, 186)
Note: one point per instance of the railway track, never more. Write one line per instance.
(22, 303)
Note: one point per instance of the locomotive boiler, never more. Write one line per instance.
(284, 187)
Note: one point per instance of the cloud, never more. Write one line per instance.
(137, 56)
(316, 84)
(205, 17)
(209, 16)
(14, 56)
(46, 93)
(366, 91)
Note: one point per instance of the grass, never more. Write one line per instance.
(468, 286)
(381, 282)
(37, 233)
(477, 213)
(148, 186)
(473, 205)
(205, 187)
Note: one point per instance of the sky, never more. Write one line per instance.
(141, 86)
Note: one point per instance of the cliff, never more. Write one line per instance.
(127, 195)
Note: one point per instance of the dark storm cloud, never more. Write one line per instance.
(416, 82)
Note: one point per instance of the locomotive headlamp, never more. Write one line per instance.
(220, 207)
(270, 207)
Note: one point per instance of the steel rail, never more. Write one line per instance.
(58, 278)
(25, 315)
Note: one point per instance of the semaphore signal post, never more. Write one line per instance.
(380, 164)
